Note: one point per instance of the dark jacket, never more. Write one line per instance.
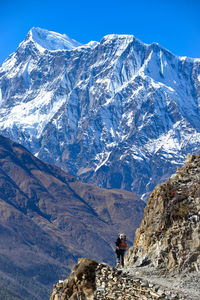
(118, 241)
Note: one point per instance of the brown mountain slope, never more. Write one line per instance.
(49, 219)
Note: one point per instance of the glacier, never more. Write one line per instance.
(117, 113)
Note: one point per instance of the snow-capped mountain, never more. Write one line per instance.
(44, 39)
(119, 113)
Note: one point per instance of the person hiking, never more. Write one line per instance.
(121, 246)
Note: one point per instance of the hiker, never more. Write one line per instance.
(121, 246)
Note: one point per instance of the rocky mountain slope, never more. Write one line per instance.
(164, 262)
(118, 113)
(169, 235)
(49, 219)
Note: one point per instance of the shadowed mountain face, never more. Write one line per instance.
(48, 219)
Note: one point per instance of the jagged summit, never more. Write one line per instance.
(168, 238)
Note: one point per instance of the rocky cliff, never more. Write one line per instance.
(169, 236)
(164, 262)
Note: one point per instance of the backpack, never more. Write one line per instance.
(123, 243)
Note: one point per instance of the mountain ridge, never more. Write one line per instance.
(87, 108)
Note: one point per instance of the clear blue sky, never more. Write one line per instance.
(175, 24)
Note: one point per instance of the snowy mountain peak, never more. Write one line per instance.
(119, 100)
(51, 40)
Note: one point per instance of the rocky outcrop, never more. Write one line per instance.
(90, 280)
(169, 235)
(80, 284)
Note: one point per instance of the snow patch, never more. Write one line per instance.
(111, 145)
(110, 100)
(141, 70)
(158, 85)
(129, 118)
(105, 154)
(112, 132)
(103, 81)
(161, 62)
(174, 140)
(136, 157)
(9, 63)
(182, 58)
(34, 114)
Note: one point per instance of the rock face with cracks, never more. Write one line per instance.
(169, 235)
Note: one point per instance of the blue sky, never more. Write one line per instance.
(175, 24)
